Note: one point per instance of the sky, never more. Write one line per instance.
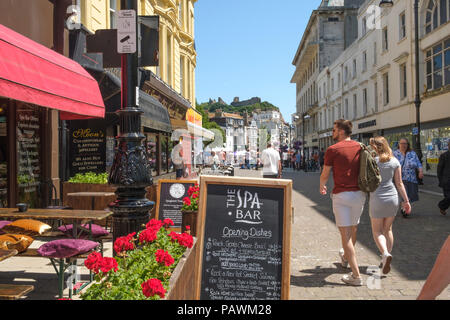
(245, 49)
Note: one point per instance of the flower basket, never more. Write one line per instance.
(189, 219)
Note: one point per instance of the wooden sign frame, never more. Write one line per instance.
(158, 200)
(284, 184)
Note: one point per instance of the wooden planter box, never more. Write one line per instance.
(100, 203)
(183, 279)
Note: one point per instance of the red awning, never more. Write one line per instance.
(33, 73)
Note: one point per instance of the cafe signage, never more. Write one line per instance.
(87, 146)
(244, 236)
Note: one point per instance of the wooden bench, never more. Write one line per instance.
(13, 291)
(60, 265)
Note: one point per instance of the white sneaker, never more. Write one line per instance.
(349, 279)
(386, 262)
(344, 263)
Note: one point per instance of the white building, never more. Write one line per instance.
(372, 82)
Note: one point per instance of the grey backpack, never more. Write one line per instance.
(369, 174)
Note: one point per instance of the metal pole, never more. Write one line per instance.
(417, 101)
(131, 171)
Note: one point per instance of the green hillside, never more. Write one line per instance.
(263, 106)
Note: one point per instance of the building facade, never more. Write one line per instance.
(177, 54)
(330, 30)
(377, 91)
(233, 125)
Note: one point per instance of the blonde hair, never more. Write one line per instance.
(382, 148)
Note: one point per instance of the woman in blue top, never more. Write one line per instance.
(410, 162)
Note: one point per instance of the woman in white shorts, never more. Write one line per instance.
(384, 202)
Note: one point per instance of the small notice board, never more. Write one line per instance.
(245, 238)
(170, 200)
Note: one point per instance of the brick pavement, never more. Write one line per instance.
(315, 269)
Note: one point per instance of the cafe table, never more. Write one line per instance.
(78, 217)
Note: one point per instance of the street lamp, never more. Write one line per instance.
(416, 141)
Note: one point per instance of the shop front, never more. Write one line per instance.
(433, 138)
(34, 80)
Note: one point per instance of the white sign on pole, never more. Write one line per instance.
(126, 31)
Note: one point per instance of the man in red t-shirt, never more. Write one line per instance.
(348, 199)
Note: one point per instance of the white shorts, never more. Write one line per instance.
(348, 207)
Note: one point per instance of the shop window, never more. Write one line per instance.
(28, 154)
(152, 143)
(3, 158)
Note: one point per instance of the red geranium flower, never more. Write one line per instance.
(168, 222)
(93, 262)
(186, 240)
(187, 201)
(164, 257)
(154, 224)
(152, 287)
(148, 235)
(124, 243)
(107, 264)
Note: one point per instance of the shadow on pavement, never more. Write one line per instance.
(417, 240)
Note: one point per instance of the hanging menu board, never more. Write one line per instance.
(245, 238)
(170, 200)
(87, 146)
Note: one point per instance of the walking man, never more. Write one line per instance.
(271, 162)
(443, 173)
(348, 199)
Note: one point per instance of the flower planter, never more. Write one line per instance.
(189, 218)
(181, 282)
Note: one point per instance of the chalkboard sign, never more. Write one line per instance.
(244, 238)
(87, 146)
(170, 200)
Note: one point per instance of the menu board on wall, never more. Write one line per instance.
(87, 146)
(170, 200)
(245, 238)
(28, 154)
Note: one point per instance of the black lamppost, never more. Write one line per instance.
(131, 171)
(416, 141)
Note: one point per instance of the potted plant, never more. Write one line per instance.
(143, 267)
(189, 210)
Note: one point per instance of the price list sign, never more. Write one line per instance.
(245, 244)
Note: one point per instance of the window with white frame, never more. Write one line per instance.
(355, 107)
(403, 81)
(354, 68)
(363, 26)
(364, 101)
(402, 26)
(375, 53)
(438, 65)
(345, 74)
(375, 93)
(364, 61)
(437, 13)
(346, 109)
(385, 36)
(386, 88)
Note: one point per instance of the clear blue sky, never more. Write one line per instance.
(245, 49)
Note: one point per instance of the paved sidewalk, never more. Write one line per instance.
(315, 269)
